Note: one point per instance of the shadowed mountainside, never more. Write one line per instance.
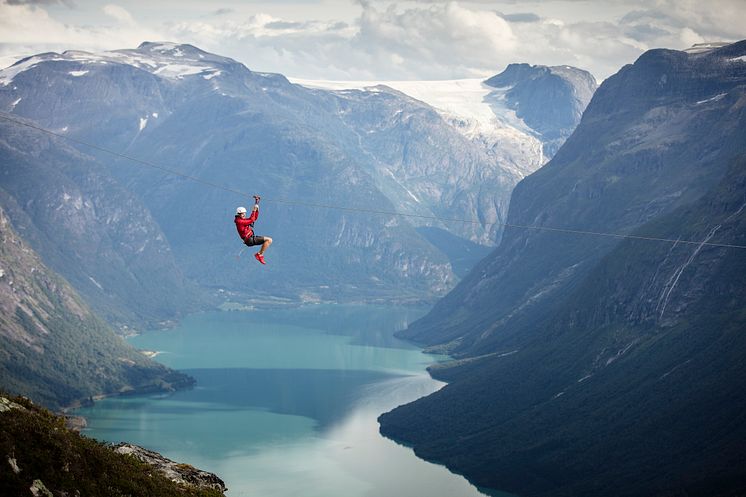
(591, 365)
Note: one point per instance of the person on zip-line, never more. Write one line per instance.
(245, 227)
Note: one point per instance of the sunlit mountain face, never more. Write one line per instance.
(335, 169)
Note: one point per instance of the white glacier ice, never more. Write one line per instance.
(476, 110)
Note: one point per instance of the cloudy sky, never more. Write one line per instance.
(378, 39)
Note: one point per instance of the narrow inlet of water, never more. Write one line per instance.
(286, 403)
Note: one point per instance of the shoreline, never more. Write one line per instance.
(371, 407)
(163, 387)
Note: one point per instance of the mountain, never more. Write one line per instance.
(509, 144)
(549, 99)
(211, 118)
(590, 365)
(330, 166)
(425, 166)
(91, 230)
(45, 458)
(53, 349)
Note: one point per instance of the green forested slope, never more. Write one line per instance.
(53, 349)
(39, 453)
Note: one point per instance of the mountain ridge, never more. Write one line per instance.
(550, 99)
(54, 349)
(581, 360)
(91, 230)
(620, 192)
(207, 116)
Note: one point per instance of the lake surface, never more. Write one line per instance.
(286, 403)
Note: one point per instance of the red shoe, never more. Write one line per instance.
(259, 257)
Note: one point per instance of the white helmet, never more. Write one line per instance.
(241, 210)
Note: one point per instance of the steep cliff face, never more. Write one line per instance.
(636, 155)
(426, 169)
(53, 349)
(508, 126)
(584, 360)
(91, 230)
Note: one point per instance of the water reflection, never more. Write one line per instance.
(286, 404)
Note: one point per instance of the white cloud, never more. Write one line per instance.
(711, 19)
(432, 41)
(445, 39)
(118, 13)
(28, 29)
(390, 40)
(689, 37)
(435, 41)
(37, 2)
(24, 24)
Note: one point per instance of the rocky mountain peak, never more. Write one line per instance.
(516, 73)
(174, 49)
(550, 100)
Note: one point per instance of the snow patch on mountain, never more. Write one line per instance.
(699, 48)
(165, 46)
(7, 74)
(95, 282)
(178, 71)
(463, 100)
(712, 99)
(167, 60)
(391, 174)
(476, 110)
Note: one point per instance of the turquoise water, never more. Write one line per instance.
(286, 403)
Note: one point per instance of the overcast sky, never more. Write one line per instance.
(377, 39)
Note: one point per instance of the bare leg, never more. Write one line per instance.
(265, 245)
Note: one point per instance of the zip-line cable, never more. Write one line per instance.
(358, 209)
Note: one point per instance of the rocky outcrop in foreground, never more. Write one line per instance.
(183, 474)
(39, 457)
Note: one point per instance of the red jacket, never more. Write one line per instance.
(244, 225)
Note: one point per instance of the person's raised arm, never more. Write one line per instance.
(255, 210)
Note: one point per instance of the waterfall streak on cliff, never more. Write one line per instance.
(674, 279)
